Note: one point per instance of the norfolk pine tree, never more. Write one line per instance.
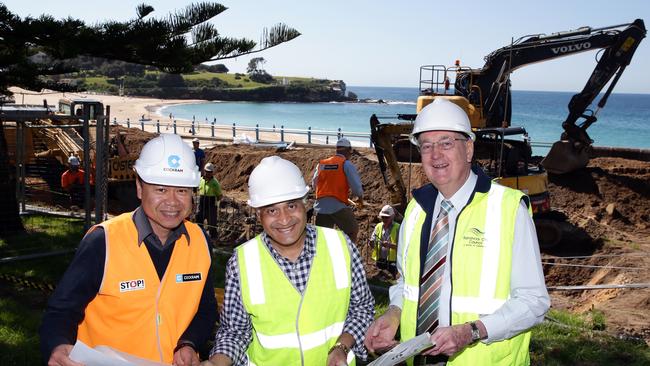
(175, 43)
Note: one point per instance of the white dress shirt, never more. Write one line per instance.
(529, 298)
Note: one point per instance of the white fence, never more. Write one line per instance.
(309, 135)
(193, 128)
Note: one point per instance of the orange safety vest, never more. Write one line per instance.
(70, 177)
(332, 180)
(134, 311)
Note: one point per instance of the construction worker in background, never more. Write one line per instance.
(464, 232)
(296, 294)
(199, 154)
(384, 240)
(140, 282)
(209, 197)
(333, 180)
(72, 180)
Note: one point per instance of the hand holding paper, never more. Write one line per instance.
(403, 351)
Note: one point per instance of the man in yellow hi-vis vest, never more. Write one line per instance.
(470, 266)
(296, 294)
(384, 240)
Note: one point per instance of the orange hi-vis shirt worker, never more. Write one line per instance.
(73, 175)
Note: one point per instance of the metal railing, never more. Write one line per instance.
(312, 136)
(193, 128)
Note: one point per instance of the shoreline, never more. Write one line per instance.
(134, 108)
(122, 107)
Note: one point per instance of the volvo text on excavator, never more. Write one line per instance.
(484, 93)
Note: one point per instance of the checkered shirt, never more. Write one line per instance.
(236, 330)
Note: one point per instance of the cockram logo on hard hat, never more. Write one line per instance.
(174, 161)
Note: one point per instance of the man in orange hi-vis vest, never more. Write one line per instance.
(140, 282)
(334, 178)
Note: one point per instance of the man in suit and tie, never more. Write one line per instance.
(468, 257)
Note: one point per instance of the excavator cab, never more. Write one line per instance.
(435, 81)
(75, 107)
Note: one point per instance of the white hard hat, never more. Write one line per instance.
(343, 142)
(196, 139)
(387, 211)
(275, 180)
(441, 115)
(73, 160)
(209, 167)
(168, 161)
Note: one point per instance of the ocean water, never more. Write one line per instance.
(624, 122)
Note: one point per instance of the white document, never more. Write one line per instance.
(107, 356)
(405, 350)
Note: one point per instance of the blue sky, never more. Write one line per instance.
(382, 43)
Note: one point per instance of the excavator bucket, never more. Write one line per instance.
(566, 156)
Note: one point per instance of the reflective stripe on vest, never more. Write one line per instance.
(350, 360)
(409, 246)
(332, 181)
(306, 341)
(289, 327)
(481, 266)
(485, 303)
(136, 312)
(481, 270)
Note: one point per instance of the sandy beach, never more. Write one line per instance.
(123, 108)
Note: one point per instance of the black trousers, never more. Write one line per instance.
(438, 360)
(208, 210)
(389, 266)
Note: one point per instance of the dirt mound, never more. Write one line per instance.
(614, 193)
(606, 207)
(132, 138)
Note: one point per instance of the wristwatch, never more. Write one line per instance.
(340, 345)
(476, 334)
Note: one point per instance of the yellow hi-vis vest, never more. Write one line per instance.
(290, 328)
(377, 236)
(136, 312)
(481, 264)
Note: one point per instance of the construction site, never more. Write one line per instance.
(600, 262)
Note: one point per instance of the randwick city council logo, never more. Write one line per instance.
(174, 161)
(474, 237)
(132, 285)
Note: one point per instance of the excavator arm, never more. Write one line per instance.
(612, 63)
(618, 42)
(572, 151)
(382, 135)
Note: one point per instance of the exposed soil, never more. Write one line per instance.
(606, 208)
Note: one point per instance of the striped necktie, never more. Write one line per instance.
(434, 267)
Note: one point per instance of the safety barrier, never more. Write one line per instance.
(193, 128)
(309, 135)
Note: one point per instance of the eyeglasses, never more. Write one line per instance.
(446, 143)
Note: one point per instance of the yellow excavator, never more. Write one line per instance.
(501, 149)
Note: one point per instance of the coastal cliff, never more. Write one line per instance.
(272, 93)
(208, 85)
